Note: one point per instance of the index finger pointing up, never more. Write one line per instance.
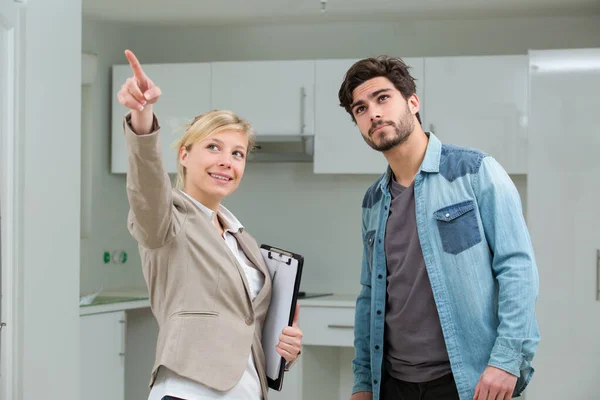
(138, 72)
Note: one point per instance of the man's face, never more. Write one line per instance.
(385, 119)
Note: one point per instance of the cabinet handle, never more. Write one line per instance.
(302, 110)
(334, 326)
(123, 336)
(597, 274)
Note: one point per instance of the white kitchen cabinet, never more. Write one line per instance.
(185, 94)
(103, 356)
(292, 384)
(328, 326)
(327, 347)
(339, 146)
(277, 97)
(480, 102)
(564, 221)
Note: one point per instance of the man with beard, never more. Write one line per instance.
(449, 279)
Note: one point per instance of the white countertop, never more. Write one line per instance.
(140, 300)
(335, 300)
(119, 306)
(118, 300)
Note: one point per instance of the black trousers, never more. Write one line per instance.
(442, 388)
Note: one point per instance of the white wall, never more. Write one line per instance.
(51, 157)
(108, 228)
(408, 38)
(324, 209)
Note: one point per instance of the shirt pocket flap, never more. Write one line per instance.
(369, 238)
(454, 211)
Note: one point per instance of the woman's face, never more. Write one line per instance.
(215, 166)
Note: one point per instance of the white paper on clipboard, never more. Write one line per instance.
(285, 269)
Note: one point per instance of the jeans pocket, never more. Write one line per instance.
(458, 227)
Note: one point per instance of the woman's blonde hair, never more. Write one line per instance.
(206, 125)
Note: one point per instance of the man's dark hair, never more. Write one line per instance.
(392, 68)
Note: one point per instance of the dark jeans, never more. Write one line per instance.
(439, 389)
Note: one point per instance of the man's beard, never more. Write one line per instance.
(402, 129)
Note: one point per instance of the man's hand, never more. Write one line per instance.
(495, 384)
(362, 396)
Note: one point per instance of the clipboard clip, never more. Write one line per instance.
(282, 254)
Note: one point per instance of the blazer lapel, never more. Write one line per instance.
(253, 254)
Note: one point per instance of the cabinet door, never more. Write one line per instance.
(480, 102)
(564, 219)
(185, 94)
(276, 97)
(102, 344)
(292, 384)
(339, 146)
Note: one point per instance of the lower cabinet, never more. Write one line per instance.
(292, 384)
(103, 356)
(323, 371)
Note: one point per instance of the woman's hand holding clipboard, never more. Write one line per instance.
(281, 337)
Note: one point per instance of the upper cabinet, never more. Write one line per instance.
(480, 102)
(277, 97)
(185, 94)
(339, 146)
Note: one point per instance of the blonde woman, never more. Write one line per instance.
(209, 286)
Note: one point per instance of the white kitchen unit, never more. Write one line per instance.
(324, 370)
(277, 97)
(292, 384)
(185, 94)
(564, 220)
(339, 146)
(480, 102)
(102, 356)
(476, 102)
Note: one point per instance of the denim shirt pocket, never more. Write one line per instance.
(458, 227)
(369, 240)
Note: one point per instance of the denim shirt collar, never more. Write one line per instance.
(430, 164)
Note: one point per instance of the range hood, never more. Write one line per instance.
(283, 148)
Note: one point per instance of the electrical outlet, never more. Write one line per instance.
(116, 257)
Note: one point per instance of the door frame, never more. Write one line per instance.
(11, 197)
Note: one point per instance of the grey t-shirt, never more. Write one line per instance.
(415, 350)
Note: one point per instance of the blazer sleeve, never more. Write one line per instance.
(150, 221)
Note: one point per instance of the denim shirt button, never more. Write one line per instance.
(376, 347)
(375, 381)
(380, 276)
(447, 215)
(378, 312)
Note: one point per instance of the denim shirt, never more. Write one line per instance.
(480, 263)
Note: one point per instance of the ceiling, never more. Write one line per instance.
(278, 11)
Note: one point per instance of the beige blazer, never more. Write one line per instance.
(198, 291)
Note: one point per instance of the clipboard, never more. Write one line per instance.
(285, 269)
